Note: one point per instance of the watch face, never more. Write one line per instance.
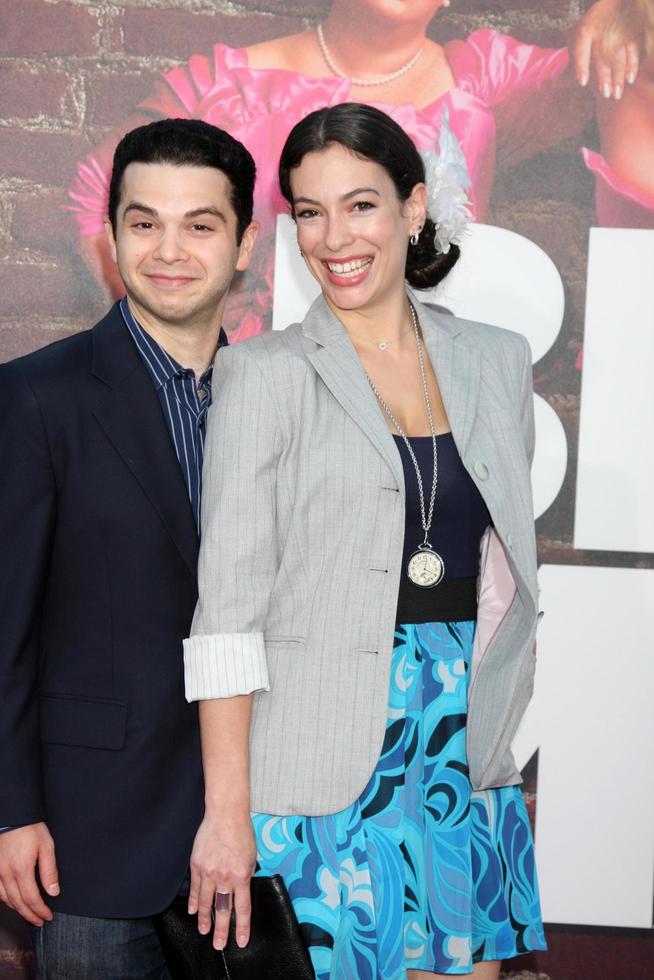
(425, 568)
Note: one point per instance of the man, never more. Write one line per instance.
(101, 437)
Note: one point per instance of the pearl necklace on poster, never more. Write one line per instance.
(380, 80)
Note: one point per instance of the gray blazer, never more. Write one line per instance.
(303, 524)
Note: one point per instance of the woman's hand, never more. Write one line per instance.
(222, 863)
(621, 64)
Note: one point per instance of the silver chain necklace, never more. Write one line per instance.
(425, 566)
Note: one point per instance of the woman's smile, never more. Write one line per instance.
(349, 271)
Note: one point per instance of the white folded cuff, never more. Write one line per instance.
(223, 665)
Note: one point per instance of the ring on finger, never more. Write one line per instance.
(221, 902)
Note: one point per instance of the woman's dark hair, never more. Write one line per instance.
(188, 143)
(371, 134)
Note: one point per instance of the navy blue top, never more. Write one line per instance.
(460, 514)
(460, 518)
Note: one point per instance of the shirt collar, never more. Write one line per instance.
(161, 366)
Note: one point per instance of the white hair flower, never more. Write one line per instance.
(447, 180)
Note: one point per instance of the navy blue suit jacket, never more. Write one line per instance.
(97, 590)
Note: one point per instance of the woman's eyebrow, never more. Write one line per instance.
(344, 197)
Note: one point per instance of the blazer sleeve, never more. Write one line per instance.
(225, 654)
(28, 498)
(527, 402)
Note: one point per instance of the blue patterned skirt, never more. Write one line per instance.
(420, 872)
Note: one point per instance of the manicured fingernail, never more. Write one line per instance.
(617, 92)
(53, 889)
(583, 81)
(242, 941)
(606, 90)
(218, 944)
(631, 77)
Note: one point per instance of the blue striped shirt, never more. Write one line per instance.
(184, 410)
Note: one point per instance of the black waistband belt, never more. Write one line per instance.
(455, 599)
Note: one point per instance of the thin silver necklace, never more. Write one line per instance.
(382, 344)
(425, 566)
(380, 80)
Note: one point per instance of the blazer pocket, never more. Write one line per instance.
(94, 723)
(273, 638)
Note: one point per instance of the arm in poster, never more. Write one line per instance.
(536, 98)
(624, 171)
(613, 64)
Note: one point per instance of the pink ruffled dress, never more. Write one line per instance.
(508, 103)
(618, 204)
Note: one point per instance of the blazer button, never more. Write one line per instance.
(481, 470)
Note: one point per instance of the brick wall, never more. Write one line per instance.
(70, 71)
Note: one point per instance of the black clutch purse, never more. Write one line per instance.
(276, 950)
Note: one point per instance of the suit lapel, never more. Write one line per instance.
(456, 365)
(131, 418)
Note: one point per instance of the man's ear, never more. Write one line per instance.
(246, 246)
(109, 232)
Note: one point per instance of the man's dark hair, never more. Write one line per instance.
(187, 143)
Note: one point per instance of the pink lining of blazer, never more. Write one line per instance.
(496, 591)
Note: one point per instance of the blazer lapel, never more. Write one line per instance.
(457, 368)
(131, 418)
(338, 365)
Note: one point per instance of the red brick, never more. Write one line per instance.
(63, 290)
(43, 157)
(179, 34)
(32, 27)
(319, 9)
(15, 340)
(547, 37)
(531, 30)
(25, 94)
(301, 8)
(39, 222)
(544, 8)
(114, 97)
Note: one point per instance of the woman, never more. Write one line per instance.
(320, 590)
(506, 101)
(624, 171)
